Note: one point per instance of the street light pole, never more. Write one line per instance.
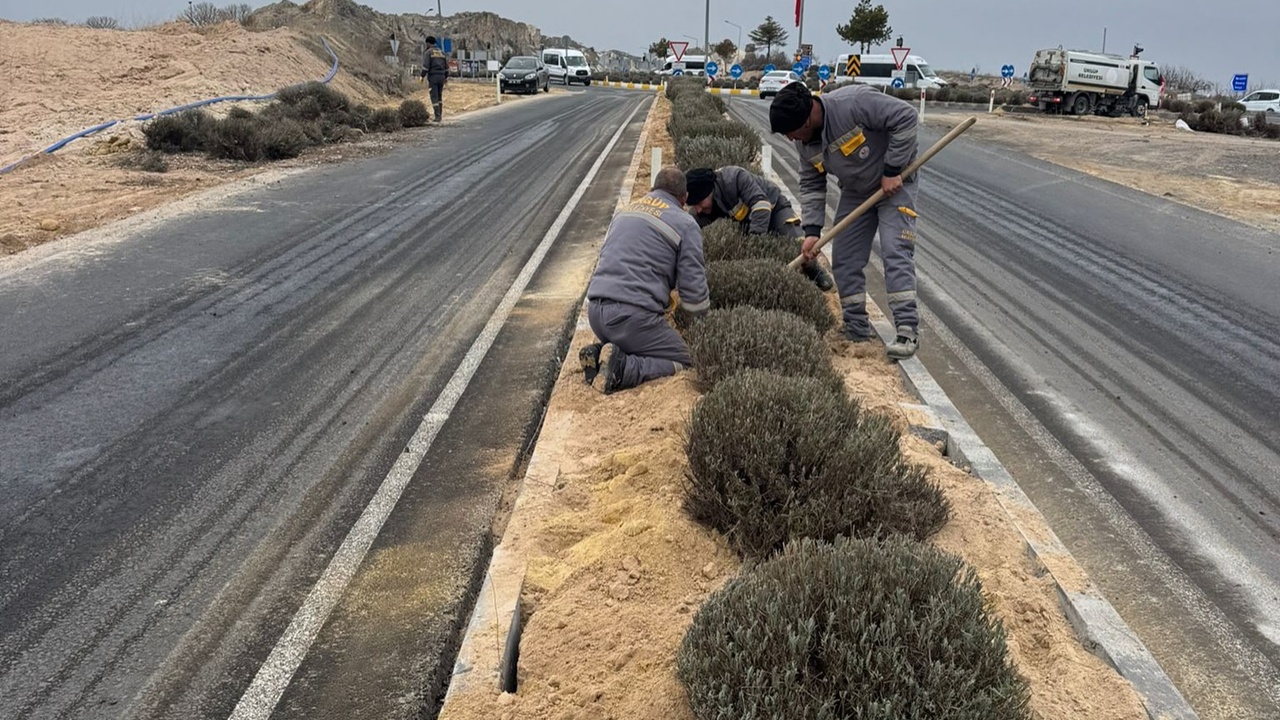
(739, 36)
(706, 32)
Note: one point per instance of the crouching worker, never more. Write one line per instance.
(754, 203)
(652, 248)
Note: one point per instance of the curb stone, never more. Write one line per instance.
(1095, 620)
(490, 646)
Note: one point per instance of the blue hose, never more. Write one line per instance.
(189, 106)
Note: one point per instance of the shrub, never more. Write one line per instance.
(1204, 106)
(325, 98)
(283, 139)
(725, 240)
(186, 131)
(385, 120)
(766, 285)
(725, 342)
(102, 22)
(877, 630)
(716, 152)
(1174, 105)
(413, 113)
(237, 139)
(773, 459)
(1227, 123)
(152, 161)
(239, 112)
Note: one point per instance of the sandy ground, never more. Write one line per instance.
(616, 569)
(88, 183)
(1235, 177)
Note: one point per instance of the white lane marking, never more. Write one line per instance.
(260, 699)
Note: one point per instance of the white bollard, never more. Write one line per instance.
(766, 160)
(991, 106)
(921, 103)
(655, 164)
(497, 87)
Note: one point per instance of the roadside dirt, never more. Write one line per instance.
(1235, 177)
(616, 569)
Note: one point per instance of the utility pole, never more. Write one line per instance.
(800, 35)
(706, 32)
(1104, 41)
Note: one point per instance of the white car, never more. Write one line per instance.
(772, 82)
(1262, 101)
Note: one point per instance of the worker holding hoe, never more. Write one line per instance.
(866, 139)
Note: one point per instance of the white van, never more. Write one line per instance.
(878, 70)
(687, 65)
(567, 66)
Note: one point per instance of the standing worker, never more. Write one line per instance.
(652, 248)
(754, 202)
(435, 68)
(866, 139)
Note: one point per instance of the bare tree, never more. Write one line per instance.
(202, 13)
(238, 13)
(1181, 79)
(102, 22)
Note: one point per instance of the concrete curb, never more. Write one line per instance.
(490, 647)
(1095, 620)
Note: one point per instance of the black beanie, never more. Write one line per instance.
(431, 39)
(699, 184)
(790, 109)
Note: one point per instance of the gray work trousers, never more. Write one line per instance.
(653, 348)
(437, 95)
(785, 221)
(895, 218)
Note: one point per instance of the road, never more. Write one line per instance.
(195, 412)
(1121, 354)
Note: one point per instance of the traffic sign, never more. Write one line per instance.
(854, 67)
(678, 48)
(900, 55)
(736, 71)
(770, 68)
(1006, 71)
(712, 68)
(899, 83)
(1240, 83)
(677, 72)
(798, 68)
(824, 73)
(807, 61)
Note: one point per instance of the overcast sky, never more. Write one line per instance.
(1216, 39)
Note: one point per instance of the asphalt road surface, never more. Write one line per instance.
(194, 413)
(1121, 354)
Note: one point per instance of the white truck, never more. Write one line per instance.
(567, 65)
(1085, 83)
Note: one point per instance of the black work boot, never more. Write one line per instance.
(818, 275)
(589, 360)
(905, 345)
(611, 365)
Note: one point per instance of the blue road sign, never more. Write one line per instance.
(736, 71)
(770, 68)
(798, 68)
(806, 60)
(1006, 71)
(712, 69)
(1240, 83)
(824, 73)
(446, 45)
(677, 71)
(898, 83)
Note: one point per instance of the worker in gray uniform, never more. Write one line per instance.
(755, 203)
(435, 68)
(652, 248)
(866, 139)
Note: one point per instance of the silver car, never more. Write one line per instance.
(772, 82)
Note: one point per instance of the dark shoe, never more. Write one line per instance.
(819, 276)
(612, 363)
(589, 360)
(905, 345)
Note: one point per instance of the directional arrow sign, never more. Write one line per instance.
(824, 73)
(900, 55)
(898, 83)
(712, 69)
(798, 68)
(770, 68)
(736, 71)
(1240, 83)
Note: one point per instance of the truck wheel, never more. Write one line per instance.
(1080, 104)
(1140, 110)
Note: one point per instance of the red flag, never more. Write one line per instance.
(799, 10)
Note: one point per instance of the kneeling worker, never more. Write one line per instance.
(652, 248)
(755, 203)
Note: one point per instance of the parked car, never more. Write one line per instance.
(524, 73)
(772, 82)
(1262, 101)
